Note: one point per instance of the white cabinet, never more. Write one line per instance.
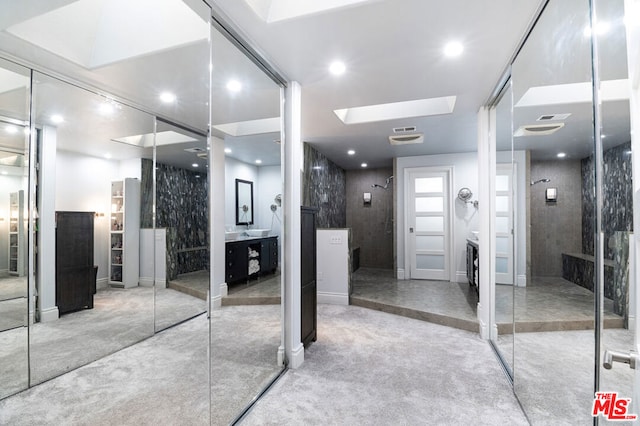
(124, 235)
(17, 224)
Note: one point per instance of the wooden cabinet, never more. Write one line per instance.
(250, 257)
(75, 274)
(472, 264)
(17, 234)
(124, 238)
(308, 307)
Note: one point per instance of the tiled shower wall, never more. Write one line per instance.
(324, 187)
(181, 198)
(556, 228)
(372, 225)
(617, 208)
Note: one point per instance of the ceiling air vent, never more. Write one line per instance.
(195, 149)
(202, 155)
(538, 129)
(549, 117)
(406, 139)
(404, 129)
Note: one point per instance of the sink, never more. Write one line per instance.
(257, 232)
(231, 235)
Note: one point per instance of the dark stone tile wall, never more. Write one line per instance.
(556, 228)
(579, 269)
(181, 198)
(324, 187)
(617, 209)
(372, 225)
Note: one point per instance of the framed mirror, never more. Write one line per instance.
(244, 202)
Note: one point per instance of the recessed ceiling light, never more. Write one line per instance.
(351, 152)
(258, 161)
(11, 129)
(195, 164)
(234, 86)
(167, 97)
(337, 68)
(363, 165)
(57, 118)
(107, 156)
(601, 29)
(5, 173)
(453, 49)
(106, 108)
(227, 150)
(561, 155)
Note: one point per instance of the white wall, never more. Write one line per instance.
(269, 184)
(334, 266)
(234, 169)
(83, 183)
(465, 218)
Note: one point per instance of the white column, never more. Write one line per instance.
(293, 164)
(216, 216)
(47, 232)
(486, 170)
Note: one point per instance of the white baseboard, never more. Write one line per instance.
(49, 315)
(632, 323)
(216, 302)
(148, 282)
(521, 281)
(297, 356)
(484, 329)
(280, 356)
(224, 289)
(4, 271)
(102, 283)
(400, 274)
(333, 298)
(461, 277)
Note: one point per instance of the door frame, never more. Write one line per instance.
(449, 172)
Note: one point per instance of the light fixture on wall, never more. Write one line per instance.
(367, 198)
(465, 194)
(551, 195)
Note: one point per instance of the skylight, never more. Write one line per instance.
(392, 111)
(280, 10)
(252, 127)
(610, 90)
(122, 29)
(161, 138)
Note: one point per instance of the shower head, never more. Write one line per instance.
(375, 185)
(386, 184)
(545, 180)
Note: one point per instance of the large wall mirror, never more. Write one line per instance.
(246, 330)
(580, 296)
(97, 181)
(15, 83)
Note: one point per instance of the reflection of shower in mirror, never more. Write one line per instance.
(386, 184)
(535, 182)
(274, 208)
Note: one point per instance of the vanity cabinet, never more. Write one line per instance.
(250, 257)
(472, 264)
(124, 230)
(308, 272)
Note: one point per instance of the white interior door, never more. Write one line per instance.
(504, 223)
(428, 224)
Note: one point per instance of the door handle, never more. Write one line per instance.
(610, 357)
(411, 230)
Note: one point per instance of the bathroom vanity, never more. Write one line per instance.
(472, 264)
(250, 257)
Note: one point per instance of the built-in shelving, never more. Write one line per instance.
(124, 235)
(17, 225)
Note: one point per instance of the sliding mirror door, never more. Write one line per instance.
(554, 312)
(246, 329)
(15, 83)
(506, 182)
(181, 223)
(620, 288)
(88, 301)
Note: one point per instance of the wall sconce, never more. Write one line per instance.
(551, 195)
(367, 198)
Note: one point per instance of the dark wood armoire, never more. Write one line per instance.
(75, 274)
(308, 308)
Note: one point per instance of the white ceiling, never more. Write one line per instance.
(393, 50)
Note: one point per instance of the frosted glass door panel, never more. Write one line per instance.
(502, 183)
(502, 265)
(502, 204)
(502, 245)
(502, 225)
(429, 204)
(429, 242)
(430, 224)
(429, 184)
(430, 261)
